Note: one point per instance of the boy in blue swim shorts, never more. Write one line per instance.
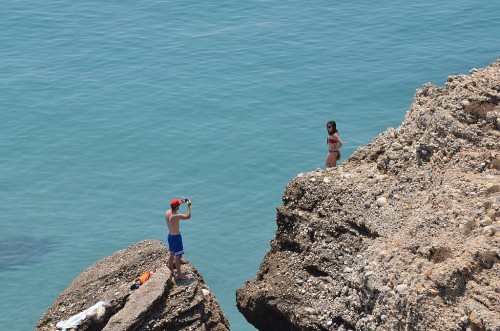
(175, 244)
(172, 217)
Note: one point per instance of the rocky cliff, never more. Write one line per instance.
(160, 303)
(404, 235)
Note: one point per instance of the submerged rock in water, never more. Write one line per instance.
(406, 241)
(23, 250)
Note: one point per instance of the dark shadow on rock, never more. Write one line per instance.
(184, 282)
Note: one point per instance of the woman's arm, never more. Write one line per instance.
(338, 139)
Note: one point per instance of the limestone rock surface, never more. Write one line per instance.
(404, 235)
(161, 303)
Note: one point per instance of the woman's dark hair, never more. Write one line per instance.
(333, 124)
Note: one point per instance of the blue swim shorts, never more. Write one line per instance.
(175, 244)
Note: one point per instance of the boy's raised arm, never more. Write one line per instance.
(187, 215)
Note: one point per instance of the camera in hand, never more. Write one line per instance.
(186, 200)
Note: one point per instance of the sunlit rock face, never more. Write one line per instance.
(404, 235)
(161, 303)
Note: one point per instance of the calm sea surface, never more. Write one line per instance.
(110, 109)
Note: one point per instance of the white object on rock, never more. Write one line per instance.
(381, 201)
(75, 320)
(401, 288)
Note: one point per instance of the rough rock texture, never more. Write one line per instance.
(404, 235)
(159, 304)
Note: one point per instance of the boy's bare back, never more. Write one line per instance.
(172, 222)
(172, 217)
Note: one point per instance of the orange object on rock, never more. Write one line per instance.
(145, 276)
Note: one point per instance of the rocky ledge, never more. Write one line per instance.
(404, 235)
(160, 303)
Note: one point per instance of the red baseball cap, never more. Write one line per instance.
(175, 203)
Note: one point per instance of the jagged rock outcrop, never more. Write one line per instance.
(404, 235)
(160, 303)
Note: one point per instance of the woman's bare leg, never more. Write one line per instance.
(331, 160)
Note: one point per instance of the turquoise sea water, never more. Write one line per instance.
(110, 109)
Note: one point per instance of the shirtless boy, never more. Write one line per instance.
(172, 217)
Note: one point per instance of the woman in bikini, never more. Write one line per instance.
(334, 144)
